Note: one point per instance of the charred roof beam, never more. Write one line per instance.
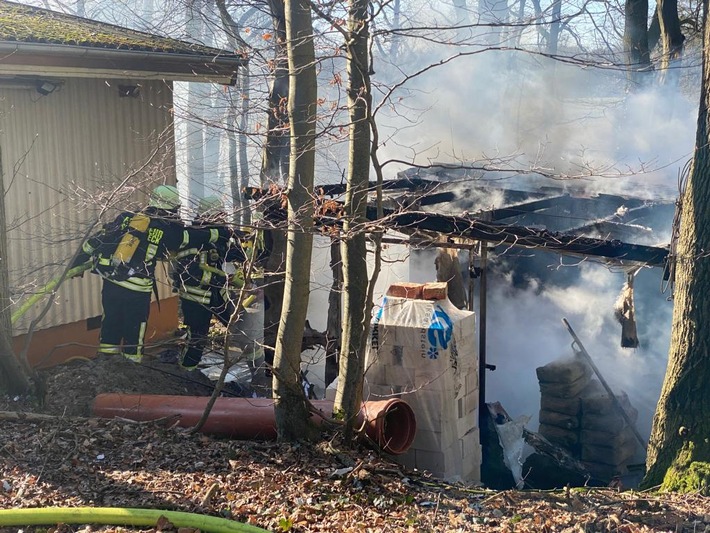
(495, 233)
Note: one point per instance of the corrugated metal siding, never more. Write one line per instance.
(63, 155)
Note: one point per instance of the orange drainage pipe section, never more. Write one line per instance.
(390, 423)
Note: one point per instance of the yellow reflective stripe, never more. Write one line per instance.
(195, 289)
(214, 270)
(206, 274)
(134, 284)
(151, 251)
(186, 253)
(196, 294)
(109, 348)
(105, 261)
(141, 336)
(185, 238)
(257, 352)
(214, 235)
(204, 300)
(87, 247)
(136, 358)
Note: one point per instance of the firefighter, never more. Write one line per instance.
(202, 284)
(124, 254)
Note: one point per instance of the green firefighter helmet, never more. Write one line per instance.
(165, 197)
(210, 205)
(211, 208)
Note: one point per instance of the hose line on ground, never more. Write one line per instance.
(121, 517)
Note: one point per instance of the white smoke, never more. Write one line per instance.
(525, 331)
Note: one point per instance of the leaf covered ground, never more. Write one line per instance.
(65, 460)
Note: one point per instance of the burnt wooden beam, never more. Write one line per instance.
(475, 229)
(496, 233)
(520, 209)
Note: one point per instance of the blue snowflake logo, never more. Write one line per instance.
(432, 353)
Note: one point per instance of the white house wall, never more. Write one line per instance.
(62, 156)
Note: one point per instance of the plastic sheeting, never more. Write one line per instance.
(424, 351)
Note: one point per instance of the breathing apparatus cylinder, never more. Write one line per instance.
(130, 241)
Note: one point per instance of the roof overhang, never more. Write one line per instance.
(25, 59)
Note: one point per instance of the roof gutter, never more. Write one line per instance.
(78, 61)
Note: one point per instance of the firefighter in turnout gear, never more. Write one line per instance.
(202, 284)
(124, 253)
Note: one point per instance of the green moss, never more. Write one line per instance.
(693, 478)
(686, 474)
(21, 23)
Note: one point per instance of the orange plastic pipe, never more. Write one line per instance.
(390, 423)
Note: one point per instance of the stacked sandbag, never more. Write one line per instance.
(561, 384)
(577, 414)
(607, 442)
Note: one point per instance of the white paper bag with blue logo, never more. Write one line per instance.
(424, 351)
(421, 343)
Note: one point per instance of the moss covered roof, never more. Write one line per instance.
(26, 24)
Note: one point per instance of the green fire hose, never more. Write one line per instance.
(121, 517)
(49, 287)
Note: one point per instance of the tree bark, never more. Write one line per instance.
(245, 96)
(238, 118)
(14, 377)
(348, 398)
(274, 169)
(291, 408)
(194, 134)
(671, 42)
(638, 59)
(463, 17)
(679, 450)
(495, 14)
(555, 25)
(334, 328)
(275, 158)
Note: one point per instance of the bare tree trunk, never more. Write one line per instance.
(671, 40)
(555, 25)
(291, 409)
(638, 59)
(232, 153)
(334, 328)
(237, 141)
(463, 17)
(148, 10)
(14, 377)
(396, 40)
(194, 134)
(679, 449)
(495, 14)
(275, 160)
(242, 143)
(274, 169)
(348, 398)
